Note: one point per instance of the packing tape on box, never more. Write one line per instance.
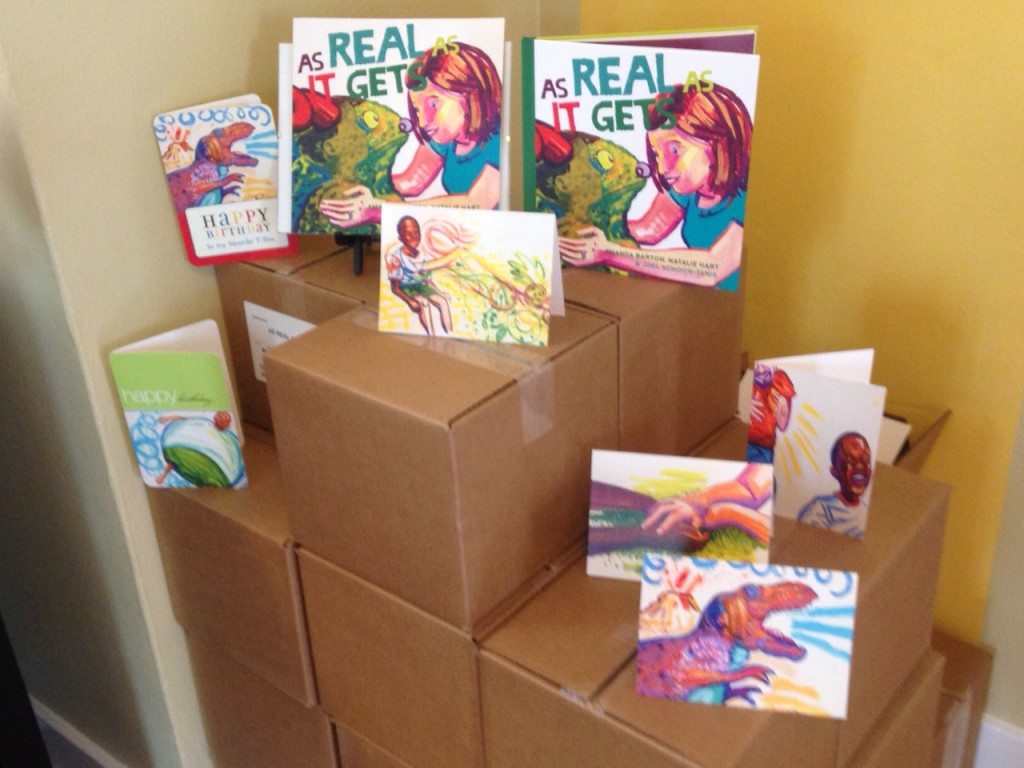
(529, 367)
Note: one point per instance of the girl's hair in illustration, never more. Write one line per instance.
(470, 73)
(716, 117)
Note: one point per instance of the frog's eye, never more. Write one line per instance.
(370, 119)
(605, 159)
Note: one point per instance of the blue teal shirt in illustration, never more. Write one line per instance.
(460, 171)
(703, 226)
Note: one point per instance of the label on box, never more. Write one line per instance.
(267, 329)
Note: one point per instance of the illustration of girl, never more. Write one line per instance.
(698, 145)
(455, 105)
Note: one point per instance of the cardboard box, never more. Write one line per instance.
(250, 723)
(401, 678)
(446, 472)
(356, 751)
(272, 289)
(231, 572)
(556, 680)
(965, 682)
(679, 356)
(534, 693)
(904, 736)
(336, 274)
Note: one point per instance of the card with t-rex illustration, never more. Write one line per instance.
(740, 634)
(220, 160)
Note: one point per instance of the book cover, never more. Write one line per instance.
(817, 419)
(221, 165)
(471, 274)
(674, 505)
(737, 634)
(642, 152)
(174, 389)
(392, 110)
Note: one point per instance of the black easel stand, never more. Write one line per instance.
(357, 242)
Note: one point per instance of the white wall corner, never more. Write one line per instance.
(1000, 745)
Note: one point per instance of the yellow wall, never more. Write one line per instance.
(884, 211)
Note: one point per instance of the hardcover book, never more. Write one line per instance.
(392, 110)
(174, 389)
(816, 419)
(672, 505)
(471, 274)
(221, 164)
(642, 151)
(737, 634)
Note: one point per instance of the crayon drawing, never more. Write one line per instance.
(740, 634)
(463, 273)
(821, 435)
(187, 449)
(221, 160)
(675, 505)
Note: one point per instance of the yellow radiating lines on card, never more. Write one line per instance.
(807, 449)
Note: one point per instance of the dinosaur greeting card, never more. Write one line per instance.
(392, 110)
(738, 634)
(471, 274)
(180, 410)
(221, 164)
(674, 505)
(817, 419)
(642, 151)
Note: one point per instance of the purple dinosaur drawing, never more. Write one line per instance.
(704, 664)
(208, 171)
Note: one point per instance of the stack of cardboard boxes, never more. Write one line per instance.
(402, 582)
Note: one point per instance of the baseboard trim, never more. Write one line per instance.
(75, 736)
(999, 744)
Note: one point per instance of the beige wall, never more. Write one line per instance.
(91, 259)
(66, 592)
(885, 211)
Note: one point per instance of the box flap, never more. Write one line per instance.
(397, 675)
(355, 750)
(260, 508)
(311, 250)
(576, 633)
(528, 721)
(603, 292)
(248, 722)
(904, 735)
(352, 355)
(336, 274)
(729, 442)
